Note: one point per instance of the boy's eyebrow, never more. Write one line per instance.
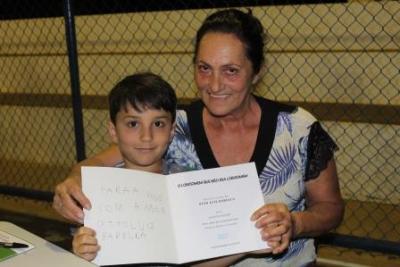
(163, 117)
(157, 117)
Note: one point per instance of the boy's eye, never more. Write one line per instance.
(132, 124)
(159, 124)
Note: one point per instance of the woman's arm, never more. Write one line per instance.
(324, 211)
(325, 206)
(68, 197)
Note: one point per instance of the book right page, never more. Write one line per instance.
(211, 211)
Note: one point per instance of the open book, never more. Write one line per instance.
(143, 217)
(6, 252)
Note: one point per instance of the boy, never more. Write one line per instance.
(142, 113)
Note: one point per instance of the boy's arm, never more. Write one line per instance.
(68, 196)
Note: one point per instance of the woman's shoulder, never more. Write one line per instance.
(304, 115)
(297, 113)
(274, 106)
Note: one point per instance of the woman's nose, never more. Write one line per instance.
(215, 82)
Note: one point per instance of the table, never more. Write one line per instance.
(44, 254)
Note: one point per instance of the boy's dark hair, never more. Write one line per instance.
(142, 91)
(243, 25)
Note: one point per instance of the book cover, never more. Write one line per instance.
(176, 218)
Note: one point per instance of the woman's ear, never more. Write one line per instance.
(258, 76)
(255, 80)
(112, 132)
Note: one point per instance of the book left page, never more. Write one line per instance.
(130, 214)
(6, 253)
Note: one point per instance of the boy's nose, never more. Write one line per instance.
(146, 134)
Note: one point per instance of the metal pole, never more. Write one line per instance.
(355, 242)
(74, 75)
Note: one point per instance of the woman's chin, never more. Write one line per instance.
(216, 111)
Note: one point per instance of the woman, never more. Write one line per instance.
(230, 125)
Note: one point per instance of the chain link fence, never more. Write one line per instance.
(340, 61)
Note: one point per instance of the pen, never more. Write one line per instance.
(13, 245)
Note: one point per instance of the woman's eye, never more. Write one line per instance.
(159, 124)
(132, 124)
(232, 71)
(203, 68)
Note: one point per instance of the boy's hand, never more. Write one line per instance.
(85, 244)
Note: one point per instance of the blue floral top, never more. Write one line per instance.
(291, 148)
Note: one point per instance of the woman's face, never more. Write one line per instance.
(223, 74)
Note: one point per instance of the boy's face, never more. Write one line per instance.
(142, 137)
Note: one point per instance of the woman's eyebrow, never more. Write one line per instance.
(232, 65)
(202, 62)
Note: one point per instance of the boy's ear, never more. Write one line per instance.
(112, 132)
(172, 133)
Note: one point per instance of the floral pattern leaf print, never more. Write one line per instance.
(280, 167)
(303, 142)
(181, 151)
(284, 122)
(295, 248)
